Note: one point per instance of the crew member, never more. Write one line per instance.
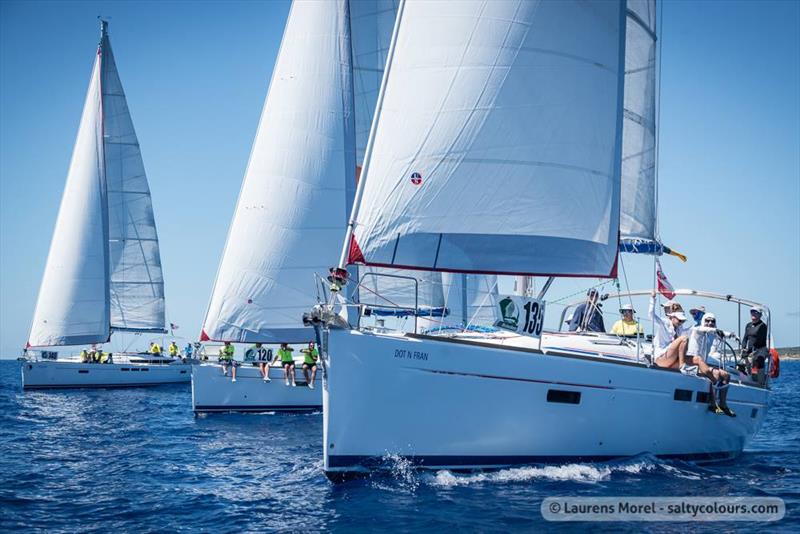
(260, 356)
(627, 326)
(587, 315)
(671, 336)
(701, 341)
(226, 353)
(287, 362)
(173, 349)
(155, 349)
(310, 357)
(754, 344)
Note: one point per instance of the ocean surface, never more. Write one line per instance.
(139, 460)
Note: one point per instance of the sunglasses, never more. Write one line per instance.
(711, 321)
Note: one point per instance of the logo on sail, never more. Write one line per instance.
(416, 178)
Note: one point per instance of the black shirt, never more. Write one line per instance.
(755, 336)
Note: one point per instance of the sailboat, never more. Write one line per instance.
(103, 272)
(292, 209)
(496, 149)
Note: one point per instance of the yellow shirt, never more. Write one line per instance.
(626, 328)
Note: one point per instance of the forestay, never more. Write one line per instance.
(297, 189)
(137, 283)
(471, 299)
(73, 304)
(638, 196)
(497, 144)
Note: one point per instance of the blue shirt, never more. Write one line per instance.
(593, 324)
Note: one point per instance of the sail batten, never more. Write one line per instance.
(299, 183)
(497, 145)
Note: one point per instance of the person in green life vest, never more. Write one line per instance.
(173, 349)
(85, 356)
(310, 357)
(226, 353)
(155, 349)
(287, 362)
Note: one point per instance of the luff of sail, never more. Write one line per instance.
(300, 179)
(638, 196)
(73, 303)
(497, 144)
(137, 282)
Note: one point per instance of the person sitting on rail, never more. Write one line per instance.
(701, 342)
(173, 349)
(588, 317)
(155, 349)
(260, 355)
(670, 338)
(310, 357)
(627, 326)
(287, 362)
(754, 344)
(226, 353)
(85, 356)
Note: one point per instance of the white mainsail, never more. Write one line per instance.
(297, 189)
(73, 303)
(472, 171)
(638, 197)
(137, 283)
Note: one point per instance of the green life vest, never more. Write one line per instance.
(226, 352)
(310, 356)
(286, 355)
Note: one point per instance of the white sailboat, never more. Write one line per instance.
(103, 272)
(292, 210)
(497, 148)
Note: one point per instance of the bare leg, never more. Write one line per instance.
(305, 373)
(313, 373)
(233, 376)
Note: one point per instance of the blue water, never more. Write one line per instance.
(138, 460)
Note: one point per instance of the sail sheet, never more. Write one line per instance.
(298, 187)
(638, 196)
(73, 303)
(137, 282)
(497, 144)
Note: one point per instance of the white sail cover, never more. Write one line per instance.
(73, 303)
(497, 145)
(638, 196)
(471, 299)
(137, 283)
(298, 187)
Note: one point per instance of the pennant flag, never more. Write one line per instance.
(664, 287)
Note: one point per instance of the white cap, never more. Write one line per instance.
(757, 309)
(678, 315)
(669, 303)
(627, 307)
(708, 316)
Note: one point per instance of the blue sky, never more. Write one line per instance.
(196, 74)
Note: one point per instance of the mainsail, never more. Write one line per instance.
(73, 303)
(137, 283)
(297, 189)
(497, 143)
(638, 197)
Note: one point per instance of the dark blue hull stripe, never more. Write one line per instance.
(256, 408)
(370, 462)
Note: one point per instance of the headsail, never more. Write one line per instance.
(638, 196)
(73, 303)
(498, 140)
(137, 283)
(471, 299)
(299, 183)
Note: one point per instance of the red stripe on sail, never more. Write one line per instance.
(355, 255)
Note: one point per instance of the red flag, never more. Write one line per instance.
(664, 287)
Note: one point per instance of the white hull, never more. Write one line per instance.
(459, 404)
(212, 391)
(65, 374)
